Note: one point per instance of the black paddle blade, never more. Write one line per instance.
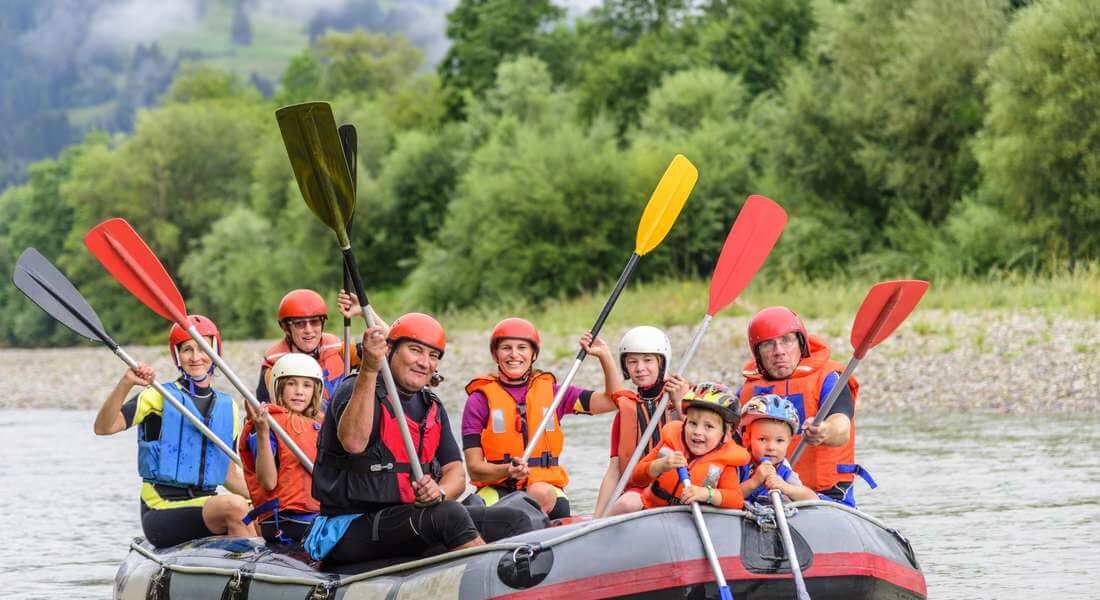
(349, 140)
(48, 287)
(317, 158)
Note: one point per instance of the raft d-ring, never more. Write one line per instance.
(528, 551)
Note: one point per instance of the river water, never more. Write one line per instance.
(996, 506)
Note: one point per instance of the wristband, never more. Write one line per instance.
(442, 495)
(710, 494)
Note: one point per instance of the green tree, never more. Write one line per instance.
(365, 63)
(1040, 148)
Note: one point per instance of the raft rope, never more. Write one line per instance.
(534, 547)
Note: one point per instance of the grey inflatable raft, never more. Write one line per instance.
(844, 553)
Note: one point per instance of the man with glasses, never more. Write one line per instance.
(302, 316)
(795, 365)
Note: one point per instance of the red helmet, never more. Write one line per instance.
(514, 328)
(300, 304)
(203, 325)
(773, 322)
(418, 327)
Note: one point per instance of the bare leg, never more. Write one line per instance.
(544, 494)
(223, 513)
(627, 503)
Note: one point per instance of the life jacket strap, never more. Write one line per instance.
(367, 466)
(544, 460)
(849, 497)
(663, 495)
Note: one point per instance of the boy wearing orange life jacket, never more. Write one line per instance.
(277, 481)
(644, 355)
(503, 408)
(703, 443)
(768, 424)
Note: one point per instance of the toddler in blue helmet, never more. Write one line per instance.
(767, 425)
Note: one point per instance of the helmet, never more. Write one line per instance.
(712, 396)
(205, 327)
(516, 328)
(299, 304)
(294, 364)
(418, 327)
(645, 340)
(770, 406)
(773, 322)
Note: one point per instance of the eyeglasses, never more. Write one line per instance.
(309, 322)
(786, 342)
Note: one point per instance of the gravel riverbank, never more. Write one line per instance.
(958, 361)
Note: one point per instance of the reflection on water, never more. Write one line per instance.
(996, 506)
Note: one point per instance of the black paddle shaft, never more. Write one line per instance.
(352, 269)
(619, 285)
(349, 140)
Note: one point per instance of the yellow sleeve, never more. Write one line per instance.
(238, 422)
(149, 402)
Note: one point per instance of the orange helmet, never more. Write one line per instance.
(300, 304)
(203, 325)
(773, 322)
(514, 328)
(418, 327)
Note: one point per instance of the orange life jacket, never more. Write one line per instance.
(329, 355)
(817, 467)
(634, 417)
(293, 486)
(704, 470)
(505, 433)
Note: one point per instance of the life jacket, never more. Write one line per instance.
(634, 416)
(506, 430)
(704, 470)
(346, 483)
(292, 490)
(745, 472)
(329, 355)
(818, 466)
(182, 456)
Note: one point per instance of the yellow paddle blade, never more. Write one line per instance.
(665, 203)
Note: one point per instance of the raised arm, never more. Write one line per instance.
(357, 419)
(109, 419)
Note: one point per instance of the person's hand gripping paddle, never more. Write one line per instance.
(747, 246)
(660, 213)
(48, 287)
(788, 544)
(130, 261)
(321, 168)
(885, 307)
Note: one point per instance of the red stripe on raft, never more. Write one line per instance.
(690, 572)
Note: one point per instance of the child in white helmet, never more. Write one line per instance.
(277, 481)
(767, 425)
(644, 355)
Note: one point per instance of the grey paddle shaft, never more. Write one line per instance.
(788, 544)
(708, 545)
(826, 407)
(249, 397)
(639, 449)
(214, 439)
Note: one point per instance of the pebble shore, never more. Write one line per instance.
(989, 361)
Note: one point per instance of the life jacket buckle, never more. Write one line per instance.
(375, 468)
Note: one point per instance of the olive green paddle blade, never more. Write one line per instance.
(317, 158)
(665, 203)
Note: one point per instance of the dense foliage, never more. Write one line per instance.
(905, 137)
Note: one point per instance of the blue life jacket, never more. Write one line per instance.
(182, 456)
(744, 473)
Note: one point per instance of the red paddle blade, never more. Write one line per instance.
(885, 307)
(130, 261)
(747, 246)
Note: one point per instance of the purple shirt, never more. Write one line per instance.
(475, 415)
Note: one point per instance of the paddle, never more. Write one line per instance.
(47, 287)
(660, 213)
(788, 544)
(349, 140)
(747, 245)
(319, 164)
(708, 546)
(885, 307)
(130, 261)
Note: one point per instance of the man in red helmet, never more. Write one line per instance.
(302, 316)
(371, 507)
(795, 365)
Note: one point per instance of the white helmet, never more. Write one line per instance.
(294, 364)
(645, 340)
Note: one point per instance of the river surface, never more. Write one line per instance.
(996, 506)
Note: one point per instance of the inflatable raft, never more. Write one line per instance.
(844, 554)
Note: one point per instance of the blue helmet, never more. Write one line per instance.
(771, 406)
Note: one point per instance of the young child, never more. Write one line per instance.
(644, 355)
(277, 481)
(767, 425)
(701, 442)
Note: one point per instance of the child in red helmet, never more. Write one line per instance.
(179, 467)
(768, 423)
